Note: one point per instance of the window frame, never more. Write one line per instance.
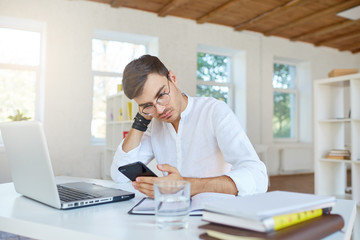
(150, 48)
(30, 26)
(294, 91)
(230, 84)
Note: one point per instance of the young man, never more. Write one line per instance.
(199, 140)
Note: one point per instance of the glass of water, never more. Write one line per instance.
(172, 204)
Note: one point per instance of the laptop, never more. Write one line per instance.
(32, 173)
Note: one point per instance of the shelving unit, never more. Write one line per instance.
(337, 126)
(120, 112)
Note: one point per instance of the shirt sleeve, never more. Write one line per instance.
(248, 172)
(142, 153)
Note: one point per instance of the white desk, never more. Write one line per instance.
(23, 216)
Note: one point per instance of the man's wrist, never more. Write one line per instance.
(140, 123)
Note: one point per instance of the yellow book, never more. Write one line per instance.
(130, 110)
(287, 220)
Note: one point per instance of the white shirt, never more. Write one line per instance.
(209, 142)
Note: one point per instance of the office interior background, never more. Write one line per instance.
(65, 68)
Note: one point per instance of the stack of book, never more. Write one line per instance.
(341, 154)
(341, 72)
(271, 215)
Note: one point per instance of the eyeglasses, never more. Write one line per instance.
(162, 100)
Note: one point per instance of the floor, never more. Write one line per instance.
(303, 183)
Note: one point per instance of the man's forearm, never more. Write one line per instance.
(221, 184)
(132, 140)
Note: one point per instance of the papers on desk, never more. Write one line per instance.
(146, 206)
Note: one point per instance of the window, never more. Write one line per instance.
(20, 71)
(109, 59)
(214, 76)
(285, 101)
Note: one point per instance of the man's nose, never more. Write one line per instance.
(160, 109)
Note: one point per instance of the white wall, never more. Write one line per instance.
(68, 79)
(357, 60)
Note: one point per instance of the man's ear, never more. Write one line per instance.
(173, 77)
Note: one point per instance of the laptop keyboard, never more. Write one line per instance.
(70, 195)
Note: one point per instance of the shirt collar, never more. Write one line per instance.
(188, 107)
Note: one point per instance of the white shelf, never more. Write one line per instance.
(120, 112)
(339, 79)
(337, 120)
(334, 160)
(335, 98)
(344, 196)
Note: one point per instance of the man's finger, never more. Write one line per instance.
(167, 168)
(149, 193)
(149, 180)
(145, 186)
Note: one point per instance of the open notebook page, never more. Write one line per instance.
(147, 205)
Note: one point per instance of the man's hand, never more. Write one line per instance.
(147, 117)
(133, 138)
(146, 184)
(220, 184)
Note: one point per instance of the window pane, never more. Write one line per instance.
(18, 91)
(212, 67)
(103, 87)
(284, 76)
(284, 115)
(113, 56)
(19, 47)
(221, 93)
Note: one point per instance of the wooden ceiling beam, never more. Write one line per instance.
(117, 3)
(350, 47)
(170, 6)
(312, 17)
(344, 37)
(288, 5)
(217, 11)
(327, 29)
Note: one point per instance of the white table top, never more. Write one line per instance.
(26, 217)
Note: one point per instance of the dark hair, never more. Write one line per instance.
(137, 71)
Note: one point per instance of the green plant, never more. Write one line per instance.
(19, 116)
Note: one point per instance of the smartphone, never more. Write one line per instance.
(136, 169)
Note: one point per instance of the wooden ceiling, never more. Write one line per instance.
(312, 21)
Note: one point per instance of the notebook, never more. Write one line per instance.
(32, 173)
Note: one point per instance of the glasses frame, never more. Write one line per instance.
(157, 101)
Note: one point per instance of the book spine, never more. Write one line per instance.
(287, 220)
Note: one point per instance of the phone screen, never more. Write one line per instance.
(134, 170)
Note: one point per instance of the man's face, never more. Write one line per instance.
(155, 87)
